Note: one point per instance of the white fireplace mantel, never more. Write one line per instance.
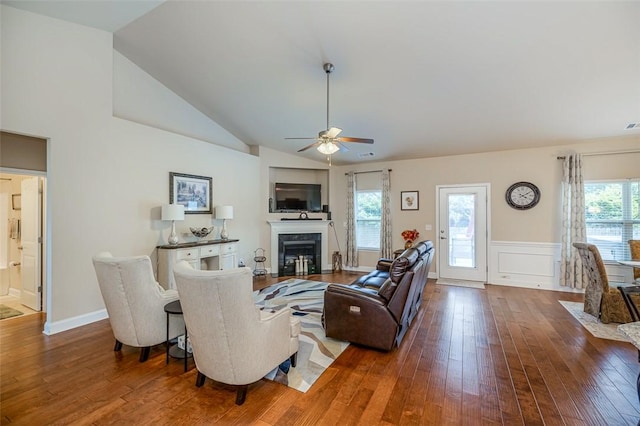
(300, 227)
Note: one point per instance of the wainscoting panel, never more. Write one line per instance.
(525, 264)
(537, 265)
(618, 273)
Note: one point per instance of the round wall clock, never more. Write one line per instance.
(522, 195)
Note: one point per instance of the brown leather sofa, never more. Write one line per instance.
(377, 309)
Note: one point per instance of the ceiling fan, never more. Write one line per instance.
(328, 142)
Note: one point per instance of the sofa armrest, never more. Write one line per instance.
(358, 315)
(367, 295)
(384, 264)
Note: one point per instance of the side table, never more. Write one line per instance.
(174, 308)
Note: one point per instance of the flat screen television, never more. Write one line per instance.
(297, 197)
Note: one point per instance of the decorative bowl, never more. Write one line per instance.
(201, 232)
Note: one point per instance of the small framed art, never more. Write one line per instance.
(409, 200)
(195, 193)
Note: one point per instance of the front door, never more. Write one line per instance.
(462, 232)
(31, 258)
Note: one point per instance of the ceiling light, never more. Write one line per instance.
(328, 148)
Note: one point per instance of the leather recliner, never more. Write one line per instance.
(377, 309)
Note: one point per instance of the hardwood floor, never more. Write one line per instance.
(497, 356)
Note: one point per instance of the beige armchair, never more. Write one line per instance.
(233, 341)
(601, 298)
(135, 302)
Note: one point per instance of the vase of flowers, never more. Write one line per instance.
(409, 236)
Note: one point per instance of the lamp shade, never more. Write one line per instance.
(173, 212)
(328, 148)
(224, 212)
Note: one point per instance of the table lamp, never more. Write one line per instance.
(173, 212)
(224, 213)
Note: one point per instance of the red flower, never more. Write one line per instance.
(410, 234)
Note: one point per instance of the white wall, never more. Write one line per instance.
(139, 97)
(532, 228)
(106, 176)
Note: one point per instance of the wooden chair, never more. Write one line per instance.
(601, 298)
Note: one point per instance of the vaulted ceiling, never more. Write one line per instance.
(422, 78)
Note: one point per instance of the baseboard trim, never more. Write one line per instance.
(74, 322)
(366, 269)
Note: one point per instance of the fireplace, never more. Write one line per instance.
(296, 247)
(300, 227)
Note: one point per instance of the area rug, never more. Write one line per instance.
(461, 283)
(7, 312)
(591, 323)
(316, 352)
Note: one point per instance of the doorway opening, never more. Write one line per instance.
(21, 241)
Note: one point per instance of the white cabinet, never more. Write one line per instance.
(228, 256)
(211, 255)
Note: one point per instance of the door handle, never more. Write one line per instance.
(443, 238)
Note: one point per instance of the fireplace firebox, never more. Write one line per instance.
(292, 247)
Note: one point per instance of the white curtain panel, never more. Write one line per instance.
(573, 224)
(352, 250)
(386, 235)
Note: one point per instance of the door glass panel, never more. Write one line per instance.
(462, 239)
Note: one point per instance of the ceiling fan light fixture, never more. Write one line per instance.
(328, 141)
(328, 148)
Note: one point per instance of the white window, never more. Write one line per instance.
(612, 215)
(368, 210)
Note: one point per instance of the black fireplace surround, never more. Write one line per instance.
(292, 246)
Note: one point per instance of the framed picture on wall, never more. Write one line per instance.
(195, 193)
(409, 200)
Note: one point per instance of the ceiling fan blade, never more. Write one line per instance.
(300, 138)
(310, 146)
(342, 147)
(333, 132)
(359, 140)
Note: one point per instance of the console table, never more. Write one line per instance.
(210, 254)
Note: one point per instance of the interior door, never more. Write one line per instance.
(31, 240)
(462, 233)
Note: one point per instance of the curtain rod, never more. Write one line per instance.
(370, 171)
(590, 154)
